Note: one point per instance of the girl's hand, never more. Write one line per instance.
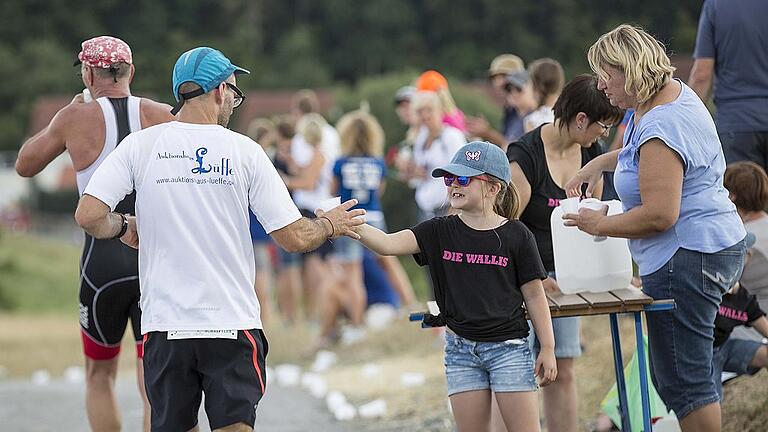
(546, 367)
(591, 173)
(587, 220)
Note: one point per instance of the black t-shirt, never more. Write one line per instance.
(477, 275)
(740, 309)
(528, 152)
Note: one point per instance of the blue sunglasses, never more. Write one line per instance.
(461, 180)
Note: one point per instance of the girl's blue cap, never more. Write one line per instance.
(475, 158)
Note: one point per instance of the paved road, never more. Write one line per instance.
(60, 407)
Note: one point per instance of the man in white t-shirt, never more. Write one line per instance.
(194, 182)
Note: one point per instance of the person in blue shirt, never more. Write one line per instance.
(360, 173)
(684, 232)
(732, 50)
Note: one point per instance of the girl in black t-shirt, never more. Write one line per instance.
(541, 162)
(484, 266)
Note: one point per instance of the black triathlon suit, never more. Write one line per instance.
(109, 270)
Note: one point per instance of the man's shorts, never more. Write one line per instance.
(109, 297)
(231, 373)
(745, 146)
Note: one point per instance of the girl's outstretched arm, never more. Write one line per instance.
(538, 310)
(399, 243)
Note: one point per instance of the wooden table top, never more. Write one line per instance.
(616, 301)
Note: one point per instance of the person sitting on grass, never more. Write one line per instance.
(484, 266)
(731, 354)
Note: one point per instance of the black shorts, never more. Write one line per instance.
(745, 146)
(231, 373)
(109, 297)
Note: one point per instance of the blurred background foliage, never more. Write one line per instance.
(364, 49)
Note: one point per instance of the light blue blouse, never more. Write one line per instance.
(708, 220)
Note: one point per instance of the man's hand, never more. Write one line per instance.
(131, 237)
(343, 220)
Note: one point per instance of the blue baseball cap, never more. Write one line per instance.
(204, 66)
(475, 158)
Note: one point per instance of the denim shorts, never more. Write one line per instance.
(347, 250)
(680, 341)
(567, 336)
(734, 356)
(499, 366)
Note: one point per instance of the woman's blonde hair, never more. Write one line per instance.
(360, 134)
(426, 98)
(311, 127)
(638, 55)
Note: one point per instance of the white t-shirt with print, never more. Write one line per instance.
(194, 184)
(431, 193)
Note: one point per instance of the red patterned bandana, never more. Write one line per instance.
(104, 51)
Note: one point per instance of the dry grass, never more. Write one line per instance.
(28, 343)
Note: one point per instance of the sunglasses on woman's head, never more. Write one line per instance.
(462, 180)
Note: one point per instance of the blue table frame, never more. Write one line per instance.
(618, 360)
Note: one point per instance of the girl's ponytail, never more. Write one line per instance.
(507, 201)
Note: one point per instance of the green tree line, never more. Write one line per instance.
(307, 43)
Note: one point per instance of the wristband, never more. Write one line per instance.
(123, 227)
(333, 229)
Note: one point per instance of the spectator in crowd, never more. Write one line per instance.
(262, 131)
(685, 234)
(541, 162)
(434, 145)
(433, 81)
(732, 52)
(288, 265)
(511, 122)
(310, 187)
(739, 309)
(403, 98)
(548, 78)
(747, 185)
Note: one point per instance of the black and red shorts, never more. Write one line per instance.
(231, 373)
(109, 297)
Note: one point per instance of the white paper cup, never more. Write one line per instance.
(570, 205)
(330, 203)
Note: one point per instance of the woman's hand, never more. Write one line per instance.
(591, 174)
(546, 367)
(587, 220)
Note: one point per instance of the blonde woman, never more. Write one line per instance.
(434, 81)
(685, 234)
(434, 145)
(310, 187)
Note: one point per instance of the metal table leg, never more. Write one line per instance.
(618, 363)
(643, 374)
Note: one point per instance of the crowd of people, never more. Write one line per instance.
(231, 234)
